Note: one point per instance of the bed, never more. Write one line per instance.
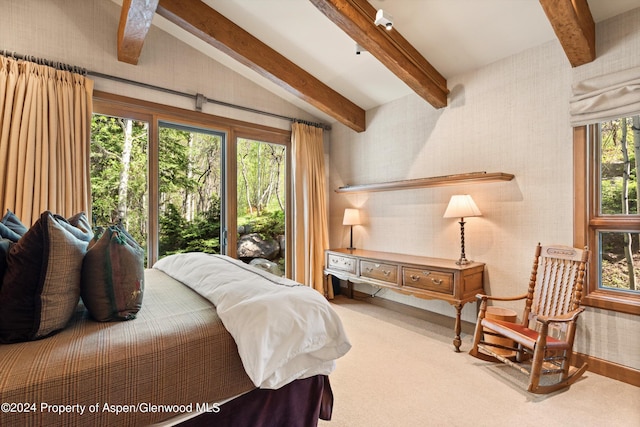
(216, 342)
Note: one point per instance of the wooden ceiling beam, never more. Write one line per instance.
(210, 26)
(574, 26)
(135, 21)
(356, 18)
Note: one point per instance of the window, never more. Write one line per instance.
(190, 189)
(262, 201)
(119, 174)
(172, 177)
(607, 211)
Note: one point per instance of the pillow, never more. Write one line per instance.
(81, 222)
(113, 276)
(41, 286)
(5, 245)
(13, 223)
(7, 233)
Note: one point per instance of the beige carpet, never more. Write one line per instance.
(402, 371)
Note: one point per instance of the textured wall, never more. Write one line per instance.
(511, 116)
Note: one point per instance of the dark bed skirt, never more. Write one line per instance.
(297, 404)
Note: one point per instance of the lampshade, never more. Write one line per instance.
(461, 206)
(351, 217)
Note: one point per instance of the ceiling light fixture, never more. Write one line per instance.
(383, 18)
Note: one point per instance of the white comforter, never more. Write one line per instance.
(284, 330)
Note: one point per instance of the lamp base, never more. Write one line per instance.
(463, 261)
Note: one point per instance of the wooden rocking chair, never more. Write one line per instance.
(543, 341)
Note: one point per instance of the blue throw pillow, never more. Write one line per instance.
(13, 223)
(7, 233)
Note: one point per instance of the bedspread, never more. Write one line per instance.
(176, 352)
(284, 330)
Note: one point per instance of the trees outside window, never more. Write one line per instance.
(607, 159)
(177, 183)
(119, 148)
(261, 202)
(190, 189)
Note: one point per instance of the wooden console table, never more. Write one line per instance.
(423, 277)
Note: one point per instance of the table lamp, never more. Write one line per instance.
(351, 218)
(461, 206)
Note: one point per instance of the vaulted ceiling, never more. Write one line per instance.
(305, 50)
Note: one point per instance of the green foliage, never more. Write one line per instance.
(269, 225)
(612, 167)
(189, 183)
(202, 234)
(172, 225)
(611, 193)
(261, 176)
(107, 142)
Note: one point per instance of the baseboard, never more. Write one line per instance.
(608, 369)
(597, 366)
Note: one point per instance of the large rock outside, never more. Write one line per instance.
(253, 246)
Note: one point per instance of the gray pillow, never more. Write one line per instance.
(113, 276)
(7, 233)
(11, 221)
(41, 286)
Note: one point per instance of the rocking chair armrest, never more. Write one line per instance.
(564, 318)
(493, 298)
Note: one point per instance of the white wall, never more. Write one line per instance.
(511, 116)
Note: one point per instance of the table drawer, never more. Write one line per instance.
(379, 271)
(430, 280)
(343, 263)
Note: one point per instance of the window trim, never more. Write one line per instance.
(118, 105)
(587, 223)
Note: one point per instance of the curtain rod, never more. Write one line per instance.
(41, 61)
(199, 98)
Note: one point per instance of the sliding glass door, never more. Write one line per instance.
(262, 204)
(190, 189)
(180, 182)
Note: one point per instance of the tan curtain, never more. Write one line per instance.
(45, 128)
(606, 97)
(310, 211)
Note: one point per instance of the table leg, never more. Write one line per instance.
(327, 283)
(349, 289)
(457, 341)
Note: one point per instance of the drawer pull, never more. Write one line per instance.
(386, 272)
(415, 278)
(437, 281)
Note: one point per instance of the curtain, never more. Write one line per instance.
(310, 210)
(45, 127)
(606, 97)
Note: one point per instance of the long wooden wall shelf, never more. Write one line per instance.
(436, 181)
